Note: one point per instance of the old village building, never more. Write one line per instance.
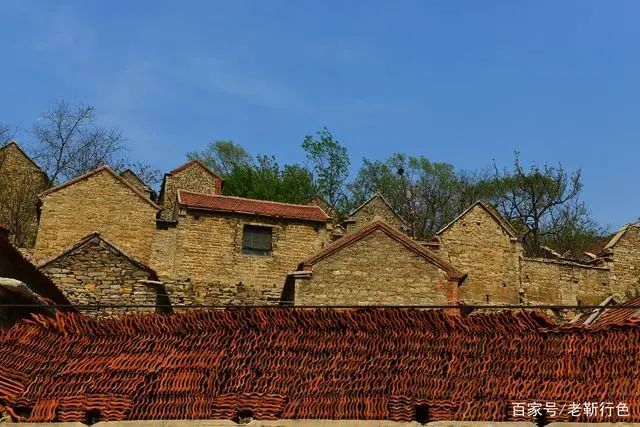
(21, 179)
(104, 238)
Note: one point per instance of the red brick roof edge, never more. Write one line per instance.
(219, 203)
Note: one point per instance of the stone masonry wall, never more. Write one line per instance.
(209, 255)
(551, 282)
(625, 264)
(97, 274)
(376, 207)
(98, 203)
(477, 245)
(20, 183)
(375, 270)
(194, 178)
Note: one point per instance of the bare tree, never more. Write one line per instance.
(6, 134)
(70, 143)
(542, 202)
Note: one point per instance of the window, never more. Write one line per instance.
(256, 240)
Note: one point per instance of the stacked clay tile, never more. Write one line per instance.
(275, 363)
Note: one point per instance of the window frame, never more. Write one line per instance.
(250, 247)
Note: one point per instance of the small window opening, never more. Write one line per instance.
(422, 413)
(579, 302)
(92, 416)
(487, 297)
(244, 416)
(257, 240)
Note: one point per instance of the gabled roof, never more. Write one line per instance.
(616, 237)
(86, 240)
(96, 171)
(280, 363)
(196, 162)
(135, 176)
(379, 195)
(378, 225)
(16, 145)
(508, 228)
(218, 203)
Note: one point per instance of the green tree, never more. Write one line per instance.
(223, 156)
(427, 194)
(330, 166)
(266, 180)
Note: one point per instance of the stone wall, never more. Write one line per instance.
(625, 264)
(374, 207)
(375, 270)
(208, 253)
(101, 203)
(95, 273)
(479, 245)
(193, 177)
(551, 282)
(20, 183)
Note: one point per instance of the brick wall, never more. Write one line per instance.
(478, 245)
(192, 177)
(20, 183)
(374, 270)
(95, 273)
(563, 283)
(98, 203)
(208, 253)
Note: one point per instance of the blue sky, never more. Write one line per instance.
(463, 82)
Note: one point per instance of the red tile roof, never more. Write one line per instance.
(616, 314)
(251, 206)
(314, 364)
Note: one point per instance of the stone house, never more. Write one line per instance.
(482, 244)
(102, 201)
(235, 250)
(377, 264)
(21, 179)
(96, 272)
(193, 176)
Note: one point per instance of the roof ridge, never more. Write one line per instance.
(86, 239)
(384, 200)
(491, 211)
(191, 162)
(223, 196)
(24, 153)
(95, 171)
